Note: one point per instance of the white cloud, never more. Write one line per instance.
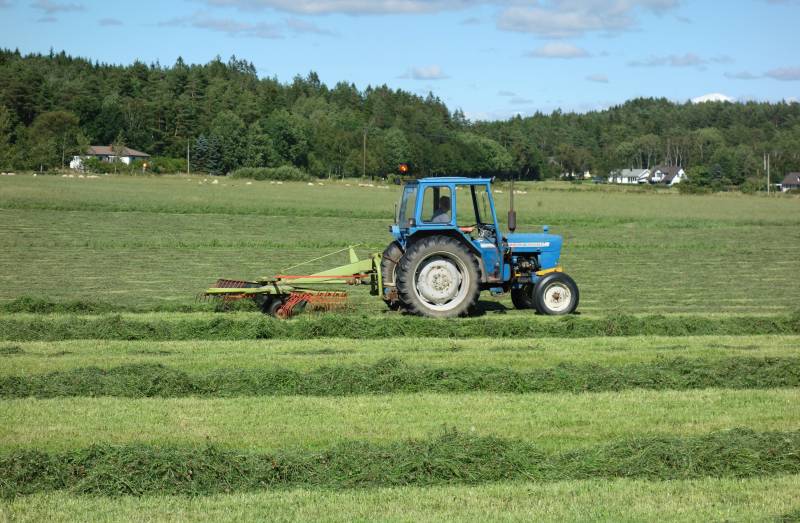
(300, 26)
(565, 18)
(430, 72)
(742, 75)
(684, 60)
(109, 21)
(352, 7)
(598, 77)
(227, 26)
(506, 93)
(519, 100)
(712, 97)
(50, 7)
(558, 50)
(784, 74)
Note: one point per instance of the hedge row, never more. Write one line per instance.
(286, 173)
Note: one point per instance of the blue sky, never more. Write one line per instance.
(493, 59)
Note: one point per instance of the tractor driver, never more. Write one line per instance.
(442, 212)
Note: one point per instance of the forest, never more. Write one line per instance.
(52, 106)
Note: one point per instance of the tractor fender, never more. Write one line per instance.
(458, 236)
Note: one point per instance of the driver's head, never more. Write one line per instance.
(444, 203)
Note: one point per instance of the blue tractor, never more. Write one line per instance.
(448, 247)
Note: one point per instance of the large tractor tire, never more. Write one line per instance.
(523, 298)
(556, 294)
(391, 257)
(438, 277)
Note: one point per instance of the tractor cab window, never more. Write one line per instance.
(407, 203)
(482, 198)
(437, 205)
(468, 205)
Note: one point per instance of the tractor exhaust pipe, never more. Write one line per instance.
(512, 214)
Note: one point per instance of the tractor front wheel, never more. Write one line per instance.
(556, 294)
(438, 277)
(522, 298)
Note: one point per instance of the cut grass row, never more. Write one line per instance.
(177, 326)
(552, 421)
(451, 458)
(619, 500)
(203, 356)
(391, 375)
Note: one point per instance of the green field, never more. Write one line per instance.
(672, 396)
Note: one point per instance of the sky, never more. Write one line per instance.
(492, 59)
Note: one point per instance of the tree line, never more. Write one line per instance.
(53, 106)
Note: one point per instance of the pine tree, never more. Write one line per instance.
(200, 153)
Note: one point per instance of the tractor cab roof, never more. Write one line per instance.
(453, 179)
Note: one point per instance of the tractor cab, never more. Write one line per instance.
(462, 208)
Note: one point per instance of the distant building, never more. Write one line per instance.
(791, 181)
(629, 176)
(585, 175)
(105, 153)
(667, 174)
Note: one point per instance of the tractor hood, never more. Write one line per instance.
(533, 242)
(548, 245)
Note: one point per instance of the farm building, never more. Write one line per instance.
(667, 174)
(791, 181)
(105, 153)
(629, 176)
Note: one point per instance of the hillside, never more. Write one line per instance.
(53, 105)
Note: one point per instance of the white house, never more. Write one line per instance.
(667, 174)
(629, 176)
(791, 181)
(105, 153)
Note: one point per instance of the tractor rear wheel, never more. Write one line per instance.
(438, 277)
(389, 260)
(522, 298)
(556, 294)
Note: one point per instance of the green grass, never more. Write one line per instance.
(451, 458)
(555, 421)
(617, 500)
(154, 243)
(203, 356)
(237, 326)
(98, 280)
(391, 375)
